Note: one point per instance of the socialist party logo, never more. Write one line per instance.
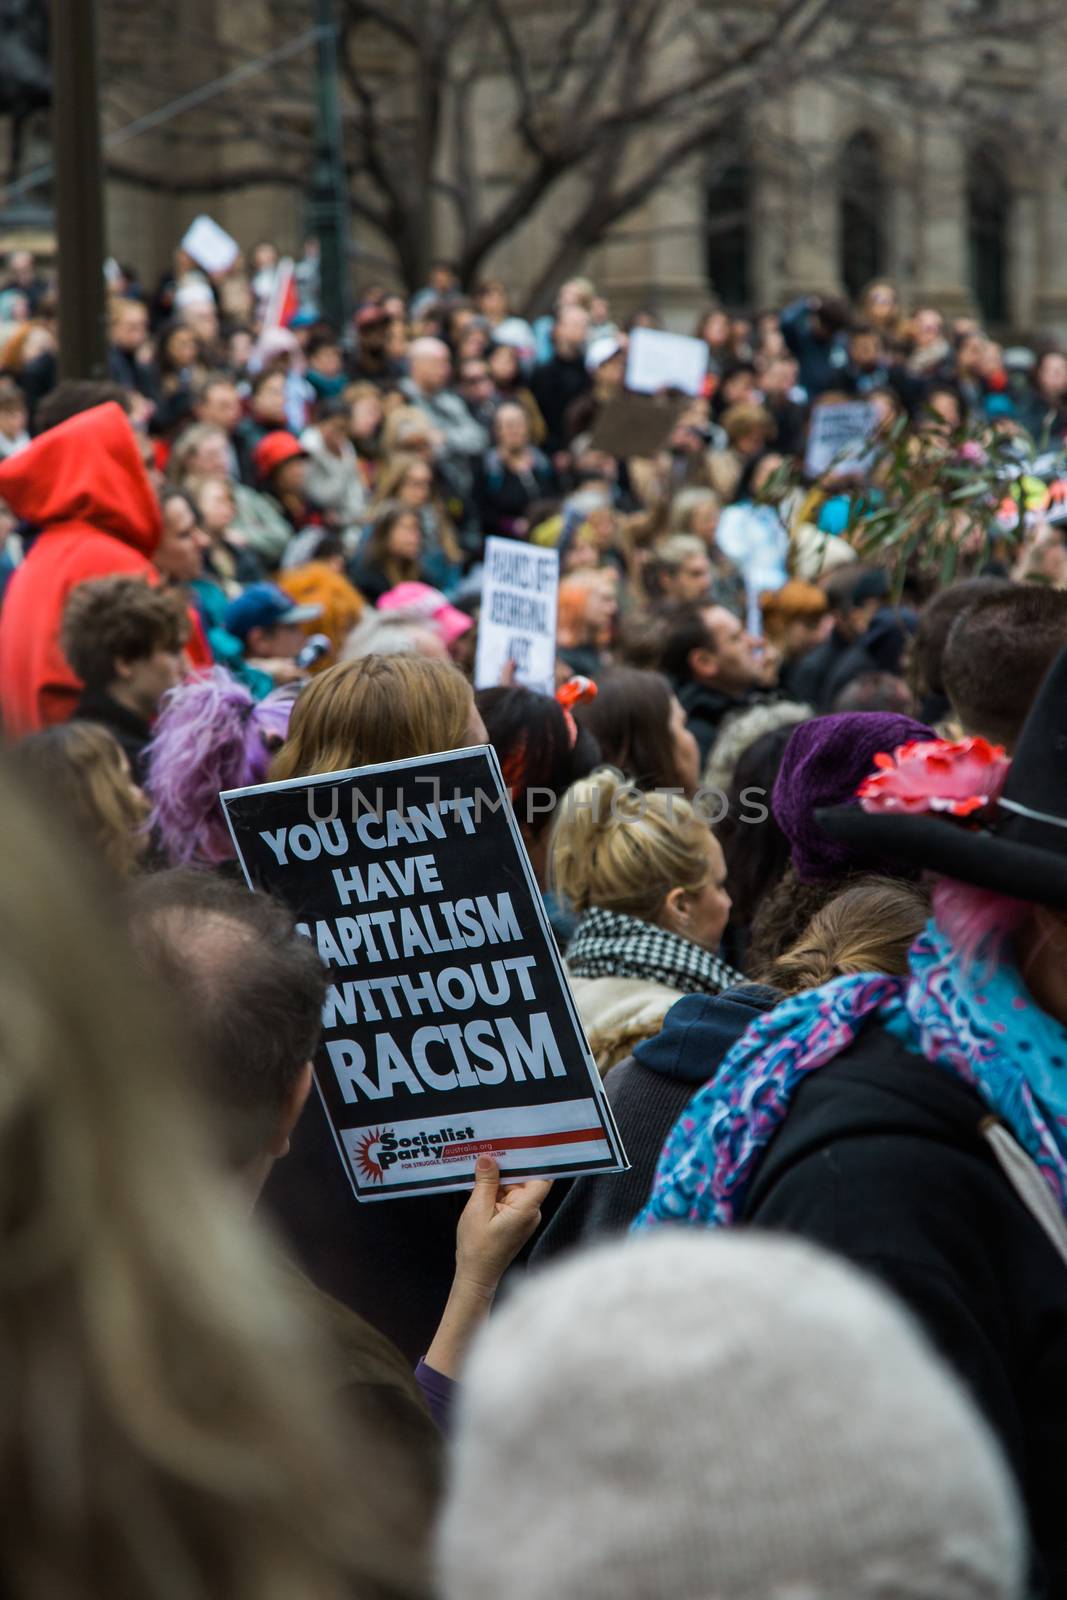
(380, 1148)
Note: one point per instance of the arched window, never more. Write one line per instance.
(988, 225)
(727, 222)
(863, 197)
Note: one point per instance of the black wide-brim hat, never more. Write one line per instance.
(1021, 849)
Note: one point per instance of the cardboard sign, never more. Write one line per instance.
(517, 621)
(449, 1030)
(658, 361)
(210, 246)
(838, 437)
(636, 424)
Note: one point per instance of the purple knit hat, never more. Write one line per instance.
(824, 764)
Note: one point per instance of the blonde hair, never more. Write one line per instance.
(675, 548)
(81, 768)
(185, 449)
(378, 708)
(166, 1430)
(869, 927)
(404, 422)
(686, 503)
(622, 849)
(362, 389)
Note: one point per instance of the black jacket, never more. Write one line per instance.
(705, 711)
(881, 1159)
(810, 676)
(880, 650)
(554, 385)
(648, 1093)
(131, 731)
(132, 374)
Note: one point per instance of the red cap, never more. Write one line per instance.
(273, 451)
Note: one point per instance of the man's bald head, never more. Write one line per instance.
(430, 364)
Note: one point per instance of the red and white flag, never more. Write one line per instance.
(283, 301)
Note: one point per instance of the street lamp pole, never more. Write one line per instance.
(78, 190)
(329, 187)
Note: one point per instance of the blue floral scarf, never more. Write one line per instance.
(981, 1025)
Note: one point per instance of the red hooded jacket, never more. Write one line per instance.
(84, 485)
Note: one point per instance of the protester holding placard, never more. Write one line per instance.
(394, 871)
(376, 709)
(253, 993)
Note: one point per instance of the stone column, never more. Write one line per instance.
(799, 251)
(942, 266)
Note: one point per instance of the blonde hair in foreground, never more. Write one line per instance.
(80, 766)
(868, 927)
(164, 1434)
(378, 708)
(616, 847)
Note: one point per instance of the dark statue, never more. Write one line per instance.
(25, 72)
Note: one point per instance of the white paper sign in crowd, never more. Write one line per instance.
(210, 246)
(449, 1030)
(659, 361)
(839, 436)
(517, 621)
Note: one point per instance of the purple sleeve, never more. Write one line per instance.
(439, 1393)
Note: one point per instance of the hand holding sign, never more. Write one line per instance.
(496, 1222)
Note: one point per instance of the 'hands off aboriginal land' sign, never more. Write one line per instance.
(448, 1030)
(518, 616)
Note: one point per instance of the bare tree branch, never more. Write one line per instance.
(359, 12)
(209, 182)
(596, 104)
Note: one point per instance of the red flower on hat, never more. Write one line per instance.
(936, 775)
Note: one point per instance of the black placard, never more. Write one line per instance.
(449, 1030)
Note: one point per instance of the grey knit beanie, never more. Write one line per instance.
(696, 1416)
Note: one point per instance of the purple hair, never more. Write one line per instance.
(211, 735)
(979, 922)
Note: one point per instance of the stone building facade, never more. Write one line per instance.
(955, 187)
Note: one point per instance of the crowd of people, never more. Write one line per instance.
(805, 860)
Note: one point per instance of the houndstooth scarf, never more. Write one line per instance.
(607, 944)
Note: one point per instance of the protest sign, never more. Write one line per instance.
(838, 437)
(636, 424)
(658, 360)
(449, 1030)
(210, 246)
(517, 621)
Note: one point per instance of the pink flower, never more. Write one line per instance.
(936, 775)
(970, 450)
